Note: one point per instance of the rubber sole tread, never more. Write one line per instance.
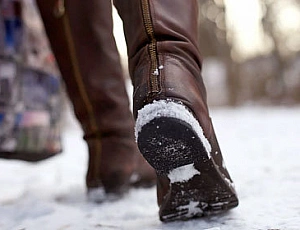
(170, 143)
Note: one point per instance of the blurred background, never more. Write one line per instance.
(251, 49)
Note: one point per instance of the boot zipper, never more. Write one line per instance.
(60, 13)
(152, 48)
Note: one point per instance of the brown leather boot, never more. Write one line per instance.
(173, 128)
(82, 40)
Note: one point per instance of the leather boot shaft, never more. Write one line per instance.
(81, 37)
(162, 41)
(170, 25)
(82, 40)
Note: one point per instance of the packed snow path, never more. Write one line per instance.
(261, 147)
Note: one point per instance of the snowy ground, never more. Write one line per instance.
(262, 150)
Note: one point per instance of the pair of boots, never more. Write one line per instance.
(173, 128)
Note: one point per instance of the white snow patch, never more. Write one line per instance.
(223, 164)
(219, 204)
(183, 173)
(134, 178)
(98, 195)
(169, 108)
(230, 183)
(191, 208)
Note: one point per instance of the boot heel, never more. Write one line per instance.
(168, 143)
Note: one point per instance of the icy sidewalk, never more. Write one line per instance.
(261, 147)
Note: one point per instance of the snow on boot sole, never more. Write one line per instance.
(197, 187)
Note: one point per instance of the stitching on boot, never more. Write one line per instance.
(82, 89)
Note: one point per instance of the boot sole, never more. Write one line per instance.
(197, 187)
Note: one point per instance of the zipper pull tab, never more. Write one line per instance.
(59, 9)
